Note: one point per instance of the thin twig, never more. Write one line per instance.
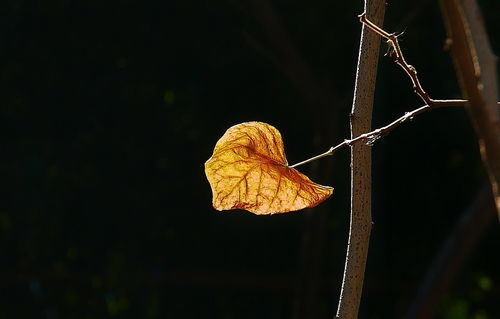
(392, 41)
(371, 137)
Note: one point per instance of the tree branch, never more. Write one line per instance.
(397, 53)
(371, 137)
(361, 114)
(475, 65)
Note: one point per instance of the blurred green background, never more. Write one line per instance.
(109, 110)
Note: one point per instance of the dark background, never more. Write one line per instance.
(109, 110)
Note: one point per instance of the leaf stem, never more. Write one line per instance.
(327, 153)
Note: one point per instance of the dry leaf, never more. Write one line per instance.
(248, 170)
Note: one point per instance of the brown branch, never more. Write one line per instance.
(476, 69)
(361, 115)
(371, 137)
(475, 65)
(392, 41)
(450, 258)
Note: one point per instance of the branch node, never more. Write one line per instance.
(408, 116)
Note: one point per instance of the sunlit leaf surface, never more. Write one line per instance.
(248, 170)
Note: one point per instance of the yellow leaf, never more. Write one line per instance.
(248, 170)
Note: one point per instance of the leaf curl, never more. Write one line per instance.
(248, 170)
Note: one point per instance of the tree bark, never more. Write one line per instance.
(361, 115)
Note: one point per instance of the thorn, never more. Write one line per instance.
(400, 33)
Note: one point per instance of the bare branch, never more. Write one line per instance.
(475, 65)
(392, 41)
(371, 137)
(361, 115)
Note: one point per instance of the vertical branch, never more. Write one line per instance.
(476, 67)
(361, 114)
